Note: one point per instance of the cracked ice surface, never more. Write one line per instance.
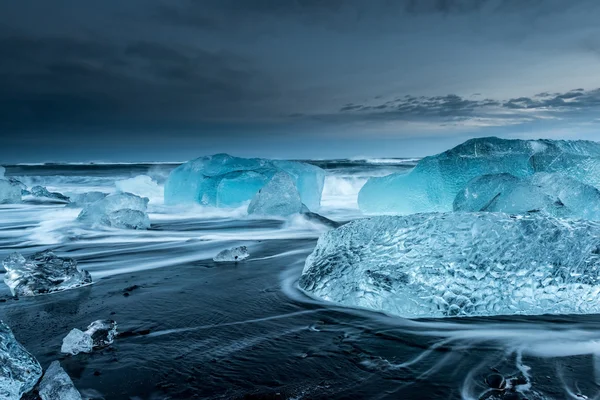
(119, 210)
(57, 385)
(19, 370)
(459, 264)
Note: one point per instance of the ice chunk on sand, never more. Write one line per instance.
(77, 342)
(504, 193)
(554, 194)
(236, 254)
(10, 193)
(102, 332)
(81, 199)
(40, 191)
(119, 210)
(42, 273)
(459, 264)
(19, 370)
(57, 385)
(433, 184)
(141, 185)
(200, 180)
(279, 197)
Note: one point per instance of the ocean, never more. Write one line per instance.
(192, 328)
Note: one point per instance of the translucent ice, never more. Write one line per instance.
(459, 264)
(234, 255)
(554, 194)
(77, 342)
(42, 273)
(120, 210)
(226, 181)
(9, 192)
(40, 191)
(102, 332)
(433, 184)
(19, 370)
(57, 385)
(279, 197)
(141, 185)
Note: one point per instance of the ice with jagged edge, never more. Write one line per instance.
(232, 255)
(551, 193)
(459, 264)
(222, 180)
(57, 385)
(41, 191)
(19, 370)
(102, 332)
(77, 342)
(42, 273)
(10, 192)
(119, 210)
(279, 197)
(433, 184)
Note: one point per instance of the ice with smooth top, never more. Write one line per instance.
(57, 385)
(459, 264)
(226, 181)
(278, 198)
(119, 210)
(19, 370)
(433, 184)
(42, 273)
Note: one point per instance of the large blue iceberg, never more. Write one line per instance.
(550, 193)
(434, 183)
(225, 181)
(459, 264)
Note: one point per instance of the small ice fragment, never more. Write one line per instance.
(10, 192)
(77, 342)
(57, 385)
(42, 273)
(235, 254)
(102, 332)
(40, 191)
(19, 370)
(279, 197)
(119, 210)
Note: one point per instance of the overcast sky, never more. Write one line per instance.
(161, 80)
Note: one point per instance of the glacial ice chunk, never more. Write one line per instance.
(279, 197)
(41, 191)
(19, 370)
(9, 193)
(42, 273)
(141, 185)
(225, 181)
(232, 255)
(459, 264)
(57, 385)
(119, 210)
(433, 184)
(102, 332)
(552, 193)
(77, 342)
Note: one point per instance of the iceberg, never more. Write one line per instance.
(77, 342)
(459, 264)
(435, 181)
(279, 197)
(554, 194)
(40, 191)
(119, 210)
(10, 193)
(232, 255)
(57, 385)
(19, 370)
(42, 273)
(226, 181)
(141, 185)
